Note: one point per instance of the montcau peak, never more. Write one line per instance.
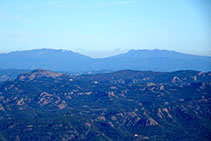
(39, 73)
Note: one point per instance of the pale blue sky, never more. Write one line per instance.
(100, 28)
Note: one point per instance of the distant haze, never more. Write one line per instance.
(106, 27)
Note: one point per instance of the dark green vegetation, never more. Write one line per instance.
(125, 105)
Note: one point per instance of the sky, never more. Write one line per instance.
(101, 28)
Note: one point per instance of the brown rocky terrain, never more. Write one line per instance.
(125, 105)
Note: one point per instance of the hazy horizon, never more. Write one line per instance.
(114, 54)
(108, 27)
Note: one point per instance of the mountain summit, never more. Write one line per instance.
(39, 73)
(158, 60)
(145, 60)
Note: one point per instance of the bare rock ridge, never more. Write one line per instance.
(39, 73)
(122, 77)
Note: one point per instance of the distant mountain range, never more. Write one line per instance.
(68, 61)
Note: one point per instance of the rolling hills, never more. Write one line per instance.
(123, 105)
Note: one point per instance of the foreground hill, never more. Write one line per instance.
(124, 105)
(60, 60)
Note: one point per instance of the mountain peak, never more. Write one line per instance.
(149, 51)
(39, 70)
(39, 73)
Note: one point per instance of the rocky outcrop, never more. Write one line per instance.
(40, 73)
